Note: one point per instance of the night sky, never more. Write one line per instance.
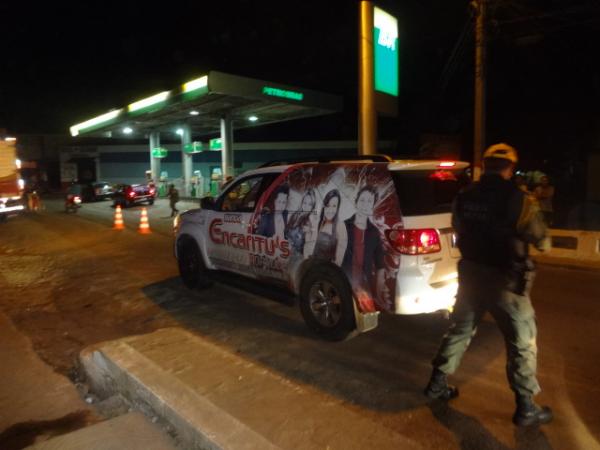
(63, 63)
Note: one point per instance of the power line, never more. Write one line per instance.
(455, 57)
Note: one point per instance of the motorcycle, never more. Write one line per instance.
(72, 203)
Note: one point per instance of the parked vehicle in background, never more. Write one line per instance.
(101, 190)
(131, 194)
(10, 190)
(350, 238)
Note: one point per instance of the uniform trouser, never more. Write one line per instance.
(482, 289)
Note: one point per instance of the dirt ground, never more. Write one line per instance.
(70, 283)
(66, 283)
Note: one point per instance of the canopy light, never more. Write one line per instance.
(141, 104)
(252, 118)
(283, 93)
(127, 130)
(179, 131)
(195, 84)
(194, 113)
(75, 129)
(10, 139)
(447, 164)
(18, 163)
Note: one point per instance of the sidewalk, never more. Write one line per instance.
(42, 408)
(213, 398)
(32, 395)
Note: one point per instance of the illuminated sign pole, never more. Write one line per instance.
(186, 159)
(227, 147)
(367, 118)
(154, 161)
(378, 72)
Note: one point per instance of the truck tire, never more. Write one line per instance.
(192, 270)
(326, 303)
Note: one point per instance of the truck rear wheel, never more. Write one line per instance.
(326, 303)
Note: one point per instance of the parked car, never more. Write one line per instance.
(350, 238)
(102, 190)
(93, 191)
(131, 194)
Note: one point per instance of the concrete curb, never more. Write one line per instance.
(215, 398)
(567, 263)
(573, 245)
(116, 367)
(132, 428)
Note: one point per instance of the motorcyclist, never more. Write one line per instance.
(73, 197)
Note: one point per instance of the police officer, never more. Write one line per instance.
(495, 222)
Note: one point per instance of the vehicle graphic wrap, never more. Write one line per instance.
(335, 213)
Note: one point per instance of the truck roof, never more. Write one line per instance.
(400, 164)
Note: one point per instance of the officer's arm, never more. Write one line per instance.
(456, 222)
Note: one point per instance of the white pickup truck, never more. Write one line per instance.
(350, 238)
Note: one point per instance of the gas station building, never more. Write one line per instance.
(214, 104)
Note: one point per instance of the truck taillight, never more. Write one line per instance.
(131, 194)
(415, 242)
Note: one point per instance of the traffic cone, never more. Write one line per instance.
(118, 225)
(144, 225)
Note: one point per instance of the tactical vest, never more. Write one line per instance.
(485, 219)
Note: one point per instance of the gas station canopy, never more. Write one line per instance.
(202, 103)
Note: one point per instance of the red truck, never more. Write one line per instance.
(10, 188)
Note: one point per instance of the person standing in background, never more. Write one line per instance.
(544, 193)
(173, 195)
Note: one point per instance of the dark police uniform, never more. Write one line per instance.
(495, 222)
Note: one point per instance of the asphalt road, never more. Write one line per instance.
(85, 282)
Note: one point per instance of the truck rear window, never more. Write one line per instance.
(428, 191)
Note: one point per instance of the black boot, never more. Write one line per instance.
(439, 388)
(528, 413)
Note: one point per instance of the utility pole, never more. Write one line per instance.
(479, 115)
